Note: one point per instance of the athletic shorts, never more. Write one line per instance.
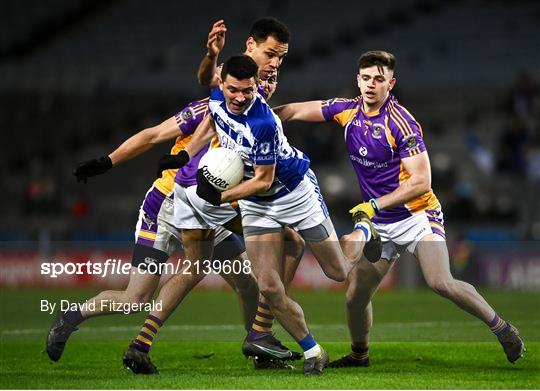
(300, 209)
(155, 226)
(405, 234)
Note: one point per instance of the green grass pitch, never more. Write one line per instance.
(419, 341)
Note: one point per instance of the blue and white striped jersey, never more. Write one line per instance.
(257, 135)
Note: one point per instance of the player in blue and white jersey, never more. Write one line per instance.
(279, 190)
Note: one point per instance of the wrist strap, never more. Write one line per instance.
(375, 205)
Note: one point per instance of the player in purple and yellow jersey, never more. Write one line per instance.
(157, 236)
(386, 148)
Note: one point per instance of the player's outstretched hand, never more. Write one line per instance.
(174, 162)
(364, 207)
(206, 190)
(91, 168)
(216, 38)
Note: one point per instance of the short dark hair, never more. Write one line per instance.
(377, 58)
(262, 28)
(240, 67)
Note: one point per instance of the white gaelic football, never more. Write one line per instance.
(222, 167)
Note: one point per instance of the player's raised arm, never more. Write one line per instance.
(129, 149)
(303, 111)
(202, 136)
(207, 72)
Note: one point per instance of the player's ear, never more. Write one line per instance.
(358, 79)
(392, 83)
(220, 83)
(250, 44)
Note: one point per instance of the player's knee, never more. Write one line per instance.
(272, 289)
(443, 287)
(336, 273)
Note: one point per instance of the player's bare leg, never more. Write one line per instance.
(432, 255)
(265, 252)
(141, 287)
(245, 286)
(260, 343)
(329, 254)
(364, 279)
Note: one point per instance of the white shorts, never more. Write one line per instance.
(192, 212)
(156, 227)
(301, 209)
(404, 235)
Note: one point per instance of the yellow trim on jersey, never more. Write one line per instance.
(427, 200)
(388, 133)
(215, 142)
(371, 113)
(345, 116)
(147, 234)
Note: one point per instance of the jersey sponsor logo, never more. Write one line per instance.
(368, 163)
(357, 122)
(219, 182)
(377, 130)
(363, 151)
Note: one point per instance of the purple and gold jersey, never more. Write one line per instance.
(377, 142)
(187, 119)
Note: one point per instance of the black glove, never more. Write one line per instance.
(206, 190)
(168, 162)
(91, 168)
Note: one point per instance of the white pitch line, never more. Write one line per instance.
(238, 327)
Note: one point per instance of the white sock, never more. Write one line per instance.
(315, 351)
(364, 227)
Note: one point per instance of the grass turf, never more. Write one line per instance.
(419, 341)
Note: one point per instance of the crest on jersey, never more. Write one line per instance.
(363, 151)
(239, 138)
(411, 142)
(377, 130)
(188, 114)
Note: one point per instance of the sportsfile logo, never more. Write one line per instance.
(219, 182)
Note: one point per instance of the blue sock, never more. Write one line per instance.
(307, 342)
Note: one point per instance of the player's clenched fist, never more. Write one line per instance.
(169, 162)
(92, 167)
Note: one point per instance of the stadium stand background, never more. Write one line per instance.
(79, 76)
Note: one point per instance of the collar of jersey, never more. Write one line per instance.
(381, 109)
